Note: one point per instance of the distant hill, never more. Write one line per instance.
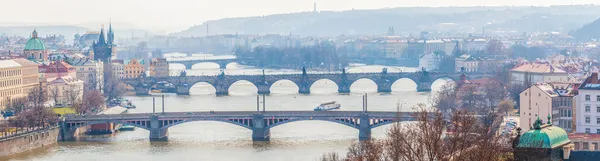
(410, 20)
(588, 31)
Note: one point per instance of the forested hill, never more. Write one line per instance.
(407, 20)
(589, 31)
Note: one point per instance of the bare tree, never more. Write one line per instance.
(114, 88)
(54, 94)
(16, 105)
(445, 99)
(461, 137)
(73, 94)
(94, 102)
(506, 106)
(36, 113)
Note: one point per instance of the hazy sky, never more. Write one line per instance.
(174, 15)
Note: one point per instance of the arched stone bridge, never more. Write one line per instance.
(188, 63)
(304, 81)
(259, 122)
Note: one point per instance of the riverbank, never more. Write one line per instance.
(28, 141)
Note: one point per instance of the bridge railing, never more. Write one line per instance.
(20, 131)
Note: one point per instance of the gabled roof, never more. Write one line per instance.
(537, 68)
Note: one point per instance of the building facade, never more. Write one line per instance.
(133, 69)
(159, 67)
(430, 61)
(17, 77)
(118, 69)
(89, 71)
(531, 73)
(35, 49)
(554, 99)
(588, 105)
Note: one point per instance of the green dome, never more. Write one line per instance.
(545, 137)
(35, 43)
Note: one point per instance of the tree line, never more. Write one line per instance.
(320, 56)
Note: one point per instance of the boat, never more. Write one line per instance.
(127, 128)
(328, 106)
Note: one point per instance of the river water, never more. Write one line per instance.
(297, 141)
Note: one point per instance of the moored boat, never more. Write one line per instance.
(328, 106)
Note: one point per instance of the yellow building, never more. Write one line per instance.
(159, 67)
(17, 77)
(134, 69)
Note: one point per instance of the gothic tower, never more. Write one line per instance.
(103, 51)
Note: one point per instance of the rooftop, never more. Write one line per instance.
(537, 68)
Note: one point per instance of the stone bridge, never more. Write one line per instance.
(188, 63)
(304, 81)
(259, 122)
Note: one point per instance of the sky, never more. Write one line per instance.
(175, 15)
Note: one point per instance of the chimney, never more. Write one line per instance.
(594, 78)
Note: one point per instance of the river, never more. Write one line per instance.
(297, 141)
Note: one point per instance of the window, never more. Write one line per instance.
(587, 130)
(586, 146)
(587, 97)
(597, 97)
(597, 131)
(597, 120)
(587, 108)
(587, 119)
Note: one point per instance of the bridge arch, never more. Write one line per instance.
(325, 85)
(202, 88)
(213, 65)
(284, 86)
(140, 124)
(245, 123)
(248, 87)
(366, 82)
(405, 84)
(353, 123)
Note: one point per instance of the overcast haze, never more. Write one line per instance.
(175, 15)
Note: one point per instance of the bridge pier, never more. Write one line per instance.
(183, 90)
(65, 133)
(260, 131)
(364, 127)
(156, 132)
(344, 88)
(303, 89)
(188, 66)
(263, 88)
(223, 65)
(424, 87)
(384, 87)
(142, 90)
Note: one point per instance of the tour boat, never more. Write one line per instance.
(328, 106)
(127, 128)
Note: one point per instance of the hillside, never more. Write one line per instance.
(411, 20)
(588, 31)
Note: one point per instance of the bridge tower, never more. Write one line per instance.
(156, 132)
(260, 131)
(364, 127)
(344, 85)
(304, 86)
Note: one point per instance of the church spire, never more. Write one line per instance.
(101, 39)
(111, 35)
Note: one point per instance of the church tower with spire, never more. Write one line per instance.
(104, 51)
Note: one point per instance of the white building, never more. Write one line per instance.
(118, 70)
(531, 73)
(89, 71)
(588, 106)
(541, 100)
(430, 61)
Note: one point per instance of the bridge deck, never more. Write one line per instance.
(237, 114)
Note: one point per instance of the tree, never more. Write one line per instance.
(462, 136)
(54, 94)
(506, 106)
(16, 105)
(94, 102)
(495, 47)
(73, 94)
(114, 88)
(36, 112)
(445, 98)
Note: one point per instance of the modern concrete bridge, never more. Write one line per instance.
(259, 122)
(304, 81)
